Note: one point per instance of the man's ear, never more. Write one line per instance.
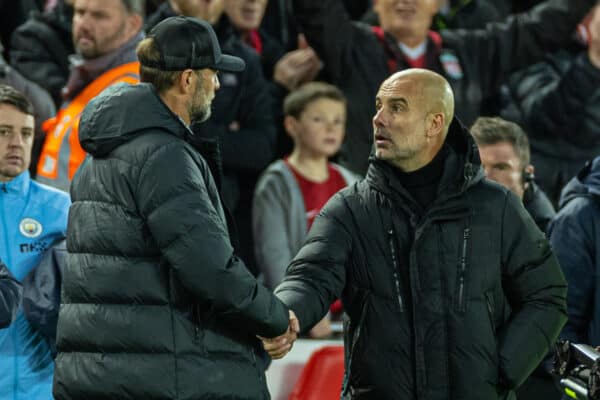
(435, 125)
(184, 82)
(528, 174)
(291, 126)
(135, 22)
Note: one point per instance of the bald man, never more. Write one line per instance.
(450, 290)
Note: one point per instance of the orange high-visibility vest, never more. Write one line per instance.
(62, 154)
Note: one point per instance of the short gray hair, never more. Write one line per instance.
(493, 130)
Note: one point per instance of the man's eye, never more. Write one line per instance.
(398, 107)
(4, 132)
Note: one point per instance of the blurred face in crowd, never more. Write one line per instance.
(412, 109)
(319, 131)
(502, 165)
(208, 10)
(207, 82)
(102, 26)
(245, 15)
(16, 140)
(407, 20)
(594, 25)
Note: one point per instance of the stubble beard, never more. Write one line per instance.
(95, 51)
(7, 173)
(200, 109)
(201, 115)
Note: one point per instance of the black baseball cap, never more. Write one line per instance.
(189, 43)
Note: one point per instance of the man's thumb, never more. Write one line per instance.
(302, 43)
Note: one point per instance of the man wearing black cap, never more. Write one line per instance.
(155, 304)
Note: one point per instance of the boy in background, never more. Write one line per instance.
(292, 191)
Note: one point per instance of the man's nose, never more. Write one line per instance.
(329, 125)
(16, 140)
(81, 22)
(378, 119)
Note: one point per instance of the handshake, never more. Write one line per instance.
(279, 346)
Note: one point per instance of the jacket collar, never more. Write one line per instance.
(85, 71)
(585, 184)
(18, 186)
(462, 167)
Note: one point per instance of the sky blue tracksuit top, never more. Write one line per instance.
(32, 218)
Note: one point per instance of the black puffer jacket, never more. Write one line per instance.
(557, 102)
(473, 61)
(242, 122)
(10, 296)
(428, 299)
(538, 205)
(40, 49)
(155, 305)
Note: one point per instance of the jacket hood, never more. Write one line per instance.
(121, 113)
(586, 183)
(464, 151)
(460, 140)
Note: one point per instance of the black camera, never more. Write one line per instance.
(577, 366)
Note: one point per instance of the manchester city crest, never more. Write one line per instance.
(30, 228)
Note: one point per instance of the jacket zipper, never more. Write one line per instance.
(395, 265)
(463, 270)
(355, 337)
(255, 362)
(9, 263)
(196, 316)
(490, 312)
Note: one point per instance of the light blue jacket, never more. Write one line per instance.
(32, 217)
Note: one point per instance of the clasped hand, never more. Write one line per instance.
(279, 346)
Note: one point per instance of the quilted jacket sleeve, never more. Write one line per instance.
(317, 275)
(177, 196)
(536, 290)
(10, 296)
(574, 242)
